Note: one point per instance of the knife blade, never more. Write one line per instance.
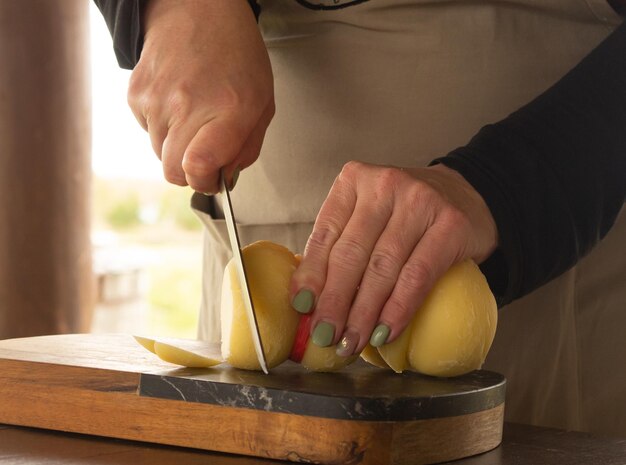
(235, 245)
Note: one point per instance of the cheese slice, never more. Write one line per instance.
(183, 352)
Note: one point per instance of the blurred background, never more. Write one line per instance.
(147, 241)
(92, 238)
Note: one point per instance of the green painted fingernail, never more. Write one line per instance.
(323, 334)
(303, 301)
(380, 335)
(235, 178)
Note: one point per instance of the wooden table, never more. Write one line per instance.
(522, 445)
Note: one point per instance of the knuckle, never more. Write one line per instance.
(456, 219)
(136, 85)
(180, 103)
(416, 274)
(152, 125)
(242, 101)
(419, 194)
(385, 182)
(350, 170)
(388, 179)
(308, 275)
(231, 99)
(142, 88)
(383, 266)
(348, 252)
(324, 235)
(398, 308)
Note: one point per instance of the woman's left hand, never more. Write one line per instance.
(382, 238)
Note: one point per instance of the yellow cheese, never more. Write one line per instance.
(146, 342)
(449, 335)
(183, 352)
(395, 353)
(370, 355)
(269, 268)
(318, 358)
(179, 356)
(454, 328)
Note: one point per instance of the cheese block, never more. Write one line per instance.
(453, 330)
(449, 335)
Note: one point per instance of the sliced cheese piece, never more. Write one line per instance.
(146, 342)
(395, 353)
(370, 355)
(183, 352)
(183, 357)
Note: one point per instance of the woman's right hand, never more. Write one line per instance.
(203, 89)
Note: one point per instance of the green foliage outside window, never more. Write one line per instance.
(124, 214)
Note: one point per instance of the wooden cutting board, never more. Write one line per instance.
(107, 385)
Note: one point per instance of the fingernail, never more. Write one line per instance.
(348, 343)
(303, 301)
(323, 334)
(235, 178)
(380, 335)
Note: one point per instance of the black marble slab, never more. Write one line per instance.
(359, 392)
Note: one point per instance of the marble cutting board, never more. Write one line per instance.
(106, 385)
(358, 392)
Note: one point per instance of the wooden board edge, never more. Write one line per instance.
(446, 439)
(80, 400)
(105, 403)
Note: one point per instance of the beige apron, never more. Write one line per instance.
(401, 82)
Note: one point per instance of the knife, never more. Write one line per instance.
(241, 272)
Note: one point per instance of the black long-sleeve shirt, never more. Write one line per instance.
(553, 173)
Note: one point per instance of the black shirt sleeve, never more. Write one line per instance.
(123, 18)
(554, 172)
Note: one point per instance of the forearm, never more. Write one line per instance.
(553, 173)
(124, 19)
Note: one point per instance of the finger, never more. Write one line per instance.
(174, 146)
(405, 228)
(252, 148)
(348, 260)
(308, 280)
(136, 102)
(217, 143)
(247, 156)
(438, 249)
(139, 116)
(145, 113)
(158, 133)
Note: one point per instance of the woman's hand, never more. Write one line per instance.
(382, 238)
(203, 89)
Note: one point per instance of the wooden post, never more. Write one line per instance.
(45, 138)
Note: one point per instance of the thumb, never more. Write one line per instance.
(216, 144)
